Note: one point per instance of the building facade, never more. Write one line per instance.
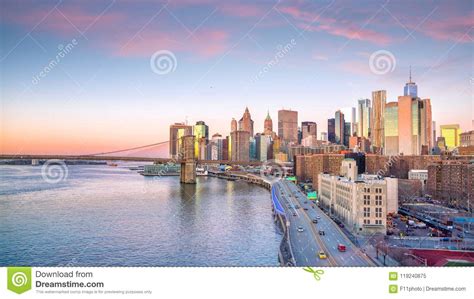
(288, 126)
(364, 111)
(360, 202)
(379, 99)
(240, 146)
(332, 130)
(177, 131)
(339, 127)
(451, 135)
(246, 122)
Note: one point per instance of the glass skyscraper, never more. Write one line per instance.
(364, 113)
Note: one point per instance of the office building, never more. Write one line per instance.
(177, 131)
(268, 125)
(240, 146)
(263, 147)
(201, 130)
(410, 89)
(288, 126)
(379, 99)
(364, 122)
(217, 147)
(233, 128)
(347, 133)
(391, 129)
(246, 122)
(361, 202)
(332, 130)
(414, 126)
(309, 128)
(339, 127)
(324, 136)
(450, 133)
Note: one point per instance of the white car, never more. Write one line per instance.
(300, 229)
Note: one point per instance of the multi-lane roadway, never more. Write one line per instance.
(306, 237)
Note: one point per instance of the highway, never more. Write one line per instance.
(306, 244)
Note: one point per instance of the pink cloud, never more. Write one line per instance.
(455, 28)
(206, 43)
(242, 10)
(312, 21)
(64, 20)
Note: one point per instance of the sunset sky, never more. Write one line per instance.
(104, 95)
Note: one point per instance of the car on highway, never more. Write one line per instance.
(297, 206)
(294, 215)
(341, 247)
(315, 220)
(322, 255)
(322, 233)
(341, 225)
(318, 217)
(300, 229)
(305, 208)
(305, 201)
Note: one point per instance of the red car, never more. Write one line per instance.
(341, 248)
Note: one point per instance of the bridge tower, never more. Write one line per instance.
(188, 160)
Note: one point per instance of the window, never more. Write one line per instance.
(377, 221)
(378, 200)
(366, 199)
(366, 221)
(366, 212)
(378, 212)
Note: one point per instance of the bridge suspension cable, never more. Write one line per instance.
(128, 149)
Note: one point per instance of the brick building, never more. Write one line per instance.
(452, 182)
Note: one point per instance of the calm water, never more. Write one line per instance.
(103, 215)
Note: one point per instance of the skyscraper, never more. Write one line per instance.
(309, 128)
(379, 99)
(233, 125)
(450, 133)
(410, 88)
(240, 146)
(391, 129)
(339, 127)
(288, 126)
(177, 131)
(332, 130)
(364, 113)
(201, 130)
(268, 125)
(246, 122)
(347, 133)
(217, 147)
(426, 122)
(414, 125)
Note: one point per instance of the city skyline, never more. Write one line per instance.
(106, 99)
